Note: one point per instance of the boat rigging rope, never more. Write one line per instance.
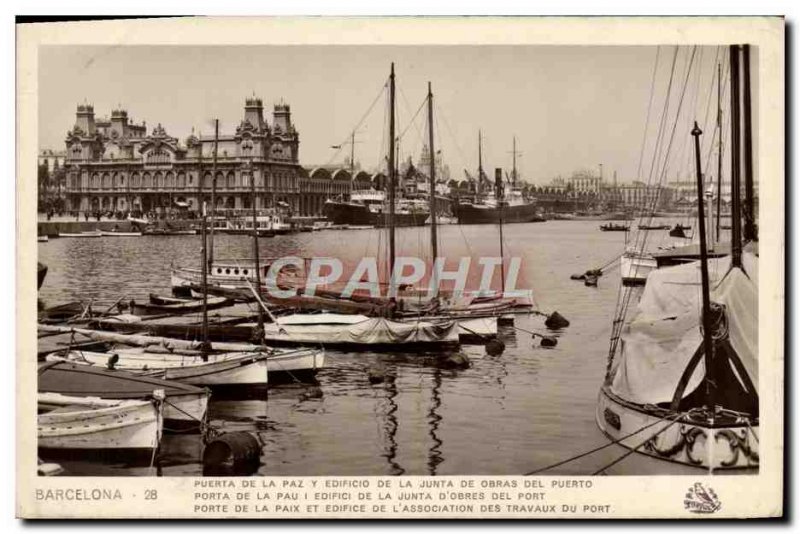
(413, 117)
(358, 124)
(647, 119)
(627, 293)
(609, 444)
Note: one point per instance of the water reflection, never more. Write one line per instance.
(435, 451)
(390, 428)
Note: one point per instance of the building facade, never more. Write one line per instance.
(118, 166)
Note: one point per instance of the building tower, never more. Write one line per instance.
(84, 119)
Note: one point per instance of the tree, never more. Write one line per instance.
(43, 179)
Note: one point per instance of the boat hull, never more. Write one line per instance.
(634, 269)
(120, 234)
(346, 213)
(80, 234)
(470, 214)
(132, 426)
(686, 442)
(184, 405)
(239, 369)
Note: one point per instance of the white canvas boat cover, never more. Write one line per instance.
(321, 318)
(367, 332)
(664, 333)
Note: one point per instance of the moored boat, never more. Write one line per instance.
(654, 227)
(67, 423)
(342, 331)
(613, 227)
(184, 405)
(117, 233)
(227, 369)
(159, 305)
(635, 266)
(657, 379)
(94, 233)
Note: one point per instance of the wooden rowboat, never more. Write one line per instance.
(115, 233)
(227, 369)
(94, 233)
(163, 305)
(91, 423)
(184, 406)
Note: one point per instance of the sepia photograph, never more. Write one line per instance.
(404, 266)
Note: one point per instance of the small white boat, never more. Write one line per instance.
(115, 233)
(341, 330)
(304, 362)
(42, 239)
(635, 266)
(91, 423)
(226, 369)
(93, 233)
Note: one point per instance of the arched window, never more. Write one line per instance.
(231, 180)
(181, 183)
(170, 183)
(95, 184)
(135, 181)
(148, 181)
(158, 180)
(106, 181)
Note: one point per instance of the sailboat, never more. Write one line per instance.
(487, 204)
(682, 377)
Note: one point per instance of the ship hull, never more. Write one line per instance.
(525, 213)
(346, 213)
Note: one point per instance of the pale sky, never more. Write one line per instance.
(570, 107)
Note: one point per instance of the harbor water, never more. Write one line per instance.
(505, 415)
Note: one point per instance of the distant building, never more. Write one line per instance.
(585, 182)
(116, 165)
(643, 197)
(52, 159)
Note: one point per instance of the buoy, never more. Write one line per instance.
(555, 321)
(458, 360)
(495, 347)
(233, 453)
(548, 341)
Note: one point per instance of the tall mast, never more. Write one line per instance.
(706, 322)
(204, 253)
(749, 211)
(434, 232)
(736, 217)
(498, 184)
(392, 177)
(255, 247)
(480, 164)
(514, 160)
(719, 150)
(352, 153)
(213, 193)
